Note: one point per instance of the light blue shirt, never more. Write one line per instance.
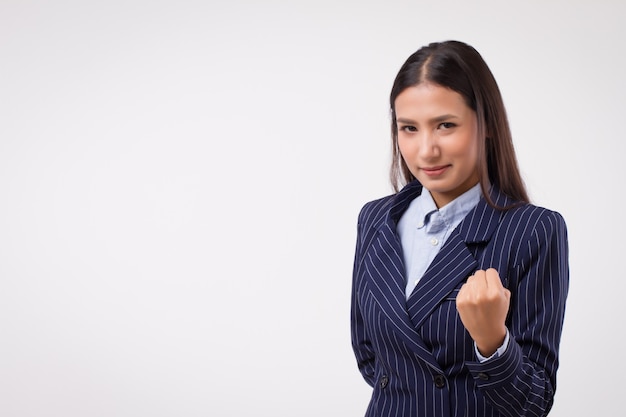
(424, 229)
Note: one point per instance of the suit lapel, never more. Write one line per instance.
(451, 265)
(454, 263)
(386, 267)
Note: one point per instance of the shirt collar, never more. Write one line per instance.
(449, 215)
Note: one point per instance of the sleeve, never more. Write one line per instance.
(361, 343)
(522, 381)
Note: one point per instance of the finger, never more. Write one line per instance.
(492, 279)
(478, 278)
(480, 274)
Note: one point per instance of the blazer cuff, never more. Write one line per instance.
(497, 370)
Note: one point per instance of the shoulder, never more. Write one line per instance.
(526, 214)
(533, 215)
(374, 211)
(533, 226)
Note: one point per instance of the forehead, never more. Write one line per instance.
(430, 100)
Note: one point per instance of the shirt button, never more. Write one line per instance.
(420, 225)
(434, 241)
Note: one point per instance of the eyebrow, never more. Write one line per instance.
(433, 120)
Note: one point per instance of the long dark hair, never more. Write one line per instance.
(459, 67)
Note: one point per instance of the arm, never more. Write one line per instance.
(360, 339)
(522, 381)
(361, 344)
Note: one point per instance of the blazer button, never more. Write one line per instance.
(384, 380)
(440, 381)
(483, 376)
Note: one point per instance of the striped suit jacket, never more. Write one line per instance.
(416, 353)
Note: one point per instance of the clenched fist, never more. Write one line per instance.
(483, 304)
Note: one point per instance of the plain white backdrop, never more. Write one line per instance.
(180, 180)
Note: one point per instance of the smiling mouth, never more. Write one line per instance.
(434, 171)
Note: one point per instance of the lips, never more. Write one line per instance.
(435, 171)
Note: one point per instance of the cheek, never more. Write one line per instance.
(407, 152)
(468, 150)
(404, 147)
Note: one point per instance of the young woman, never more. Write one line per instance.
(459, 283)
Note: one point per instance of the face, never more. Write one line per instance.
(438, 140)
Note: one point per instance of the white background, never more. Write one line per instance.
(180, 180)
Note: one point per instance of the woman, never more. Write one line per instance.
(459, 283)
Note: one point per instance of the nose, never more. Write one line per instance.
(428, 147)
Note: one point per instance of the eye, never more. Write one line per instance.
(446, 125)
(407, 128)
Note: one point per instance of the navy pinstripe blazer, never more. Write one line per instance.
(416, 353)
